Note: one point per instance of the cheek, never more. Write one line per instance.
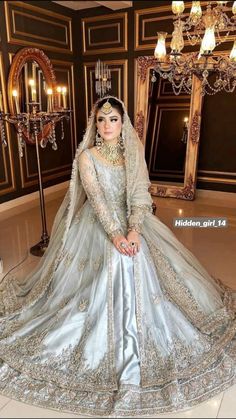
(119, 126)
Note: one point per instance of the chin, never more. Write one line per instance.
(108, 137)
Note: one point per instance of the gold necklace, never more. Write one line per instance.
(112, 153)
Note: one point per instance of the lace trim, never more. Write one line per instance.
(129, 400)
(137, 216)
(96, 196)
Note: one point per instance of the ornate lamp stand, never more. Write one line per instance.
(31, 125)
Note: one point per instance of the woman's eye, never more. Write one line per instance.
(114, 120)
(99, 119)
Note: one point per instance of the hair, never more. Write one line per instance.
(114, 103)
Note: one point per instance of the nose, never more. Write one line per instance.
(107, 124)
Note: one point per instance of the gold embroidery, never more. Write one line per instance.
(82, 264)
(97, 263)
(83, 304)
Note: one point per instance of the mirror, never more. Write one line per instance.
(31, 75)
(169, 127)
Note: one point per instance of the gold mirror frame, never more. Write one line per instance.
(187, 191)
(19, 60)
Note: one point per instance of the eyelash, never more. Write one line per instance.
(112, 120)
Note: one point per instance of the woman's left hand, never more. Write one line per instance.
(134, 241)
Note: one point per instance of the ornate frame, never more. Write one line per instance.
(19, 60)
(144, 64)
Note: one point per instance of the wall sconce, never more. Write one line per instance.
(184, 137)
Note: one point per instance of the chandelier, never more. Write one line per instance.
(102, 78)
(215, 24)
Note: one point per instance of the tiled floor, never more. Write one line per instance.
(215, 248)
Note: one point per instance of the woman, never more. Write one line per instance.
(119, 318)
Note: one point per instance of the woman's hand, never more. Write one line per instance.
(133, 239)
(122, 245)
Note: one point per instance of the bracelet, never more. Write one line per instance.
(114, 233)
(135, 228)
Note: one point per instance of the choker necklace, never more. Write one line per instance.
(112, 153)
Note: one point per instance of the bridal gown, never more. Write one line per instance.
(105, 334)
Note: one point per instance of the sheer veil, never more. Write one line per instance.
(137, 195)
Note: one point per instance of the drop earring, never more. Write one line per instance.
(121, 143)
(98, 141)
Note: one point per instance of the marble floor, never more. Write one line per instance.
(214, 247)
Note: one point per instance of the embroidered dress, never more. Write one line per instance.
(100, 333)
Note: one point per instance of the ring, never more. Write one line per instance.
(123, 245)
(133, 244)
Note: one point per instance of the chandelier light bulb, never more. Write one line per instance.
(160, 50)
(208, 41)
(202, 27)
(234, 8)
(233, 52)
(177, 7)
(196, 11)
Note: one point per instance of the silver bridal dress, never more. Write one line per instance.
(111, 335)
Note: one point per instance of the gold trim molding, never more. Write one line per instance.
(10, 13)
(143, 66)
(8, 149)
(112, 48)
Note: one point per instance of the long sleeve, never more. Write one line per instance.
(137, 216)
(96, 196)
(141, 201)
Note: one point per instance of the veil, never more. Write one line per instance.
(137, 195)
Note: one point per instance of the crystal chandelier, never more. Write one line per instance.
(178, 68)
(102, 78)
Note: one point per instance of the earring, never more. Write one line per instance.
(98, 140)
(121, 142)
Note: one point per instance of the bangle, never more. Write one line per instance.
(136, 228)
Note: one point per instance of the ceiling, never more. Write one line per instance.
(81, 5)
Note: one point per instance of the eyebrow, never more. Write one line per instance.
(112, 116)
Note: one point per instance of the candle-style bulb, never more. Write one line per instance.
(208, 41)
(1, 102)
(160, 50)
(233, 52)
(49, 100)
(177, 7)
(195, 12)
(15, 96)
(234, 8)
(64, 96)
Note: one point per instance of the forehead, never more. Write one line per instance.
(114, 112)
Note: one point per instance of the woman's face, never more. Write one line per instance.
(109, 126)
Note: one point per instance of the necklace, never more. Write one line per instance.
(112, 153)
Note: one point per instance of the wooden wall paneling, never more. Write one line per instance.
(7, 169)
(105, 34)
(27, 24)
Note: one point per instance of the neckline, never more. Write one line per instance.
(103, 163)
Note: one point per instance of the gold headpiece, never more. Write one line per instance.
(106, 107)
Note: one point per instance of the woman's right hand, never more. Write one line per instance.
(122, 245)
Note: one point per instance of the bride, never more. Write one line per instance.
(118, 318)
